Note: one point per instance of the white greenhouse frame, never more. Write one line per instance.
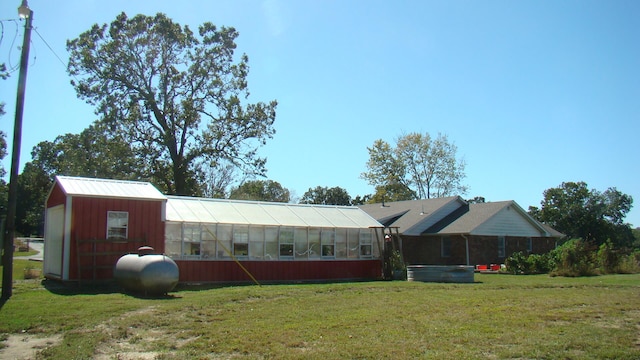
(199, 229)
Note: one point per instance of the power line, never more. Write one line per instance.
(12, 68)
(64, 65)
(50, 48)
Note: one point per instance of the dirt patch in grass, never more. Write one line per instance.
(125, 341)
(130, 340)
(26, 346)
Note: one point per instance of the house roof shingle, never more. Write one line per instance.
(405, 215)
(453, 215)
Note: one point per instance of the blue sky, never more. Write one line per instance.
(533, 93)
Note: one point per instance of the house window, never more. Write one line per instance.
(286, 243)
(501, 247)
(529, 245)
(445, 246)
(117, 224)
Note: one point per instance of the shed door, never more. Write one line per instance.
(53, 241)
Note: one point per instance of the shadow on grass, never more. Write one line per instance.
(221, 285)
(101, 288)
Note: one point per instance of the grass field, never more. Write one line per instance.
(497, 317)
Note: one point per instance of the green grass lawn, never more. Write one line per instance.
(498, 317)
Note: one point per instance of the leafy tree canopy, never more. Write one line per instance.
(418, 163)
(33, 187)
(95, 152)
(477, 200)
(261, 190)
(361, 200)
(326, 196)
(578, 212)
(392, 192)
(176, 96)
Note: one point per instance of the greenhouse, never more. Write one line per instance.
(213, 229)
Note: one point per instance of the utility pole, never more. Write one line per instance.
(7, 255)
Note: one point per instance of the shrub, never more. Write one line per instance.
(574, 258)
(609, 258)
(540, 263)
(519, 263)
(630, 264)
(516, 263)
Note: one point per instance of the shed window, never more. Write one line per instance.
(501, 247)
(445, 246)
(529, 245)
(117, 224)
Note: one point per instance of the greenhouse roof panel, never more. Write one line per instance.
(185, 209)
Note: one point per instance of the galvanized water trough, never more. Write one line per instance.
(441, 273)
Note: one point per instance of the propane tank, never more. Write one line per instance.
(146, 272)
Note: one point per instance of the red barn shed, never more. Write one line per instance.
(90, 223)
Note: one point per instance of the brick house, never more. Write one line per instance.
(451, 231)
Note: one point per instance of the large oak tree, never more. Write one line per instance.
(177, 96)
(428, 167)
